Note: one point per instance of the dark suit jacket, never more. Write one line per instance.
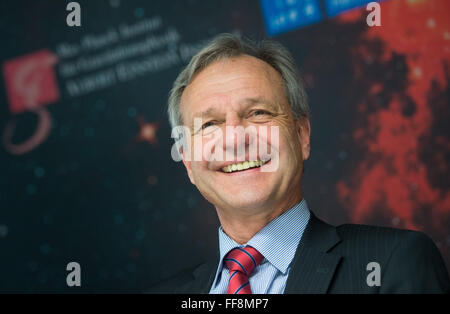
(334, 260)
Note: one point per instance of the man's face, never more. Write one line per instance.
(247, 92)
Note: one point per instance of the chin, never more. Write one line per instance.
(247, 200)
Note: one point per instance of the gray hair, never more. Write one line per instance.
(228, 46)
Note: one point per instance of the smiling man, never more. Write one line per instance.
(269, 240)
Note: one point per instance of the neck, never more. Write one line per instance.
(242, 226)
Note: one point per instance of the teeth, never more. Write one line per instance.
(244, 165)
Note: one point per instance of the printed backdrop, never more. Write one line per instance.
(86, 173)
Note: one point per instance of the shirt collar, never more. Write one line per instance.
(277, 241)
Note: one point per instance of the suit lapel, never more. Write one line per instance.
(313, 266)
(203, 277)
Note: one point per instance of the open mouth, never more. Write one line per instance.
(245, 165)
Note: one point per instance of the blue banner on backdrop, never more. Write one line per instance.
(284, 15)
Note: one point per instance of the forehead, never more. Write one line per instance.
(228, 81)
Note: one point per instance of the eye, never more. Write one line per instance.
(259, 112)
(207, 124)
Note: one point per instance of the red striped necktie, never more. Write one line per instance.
(241, 262)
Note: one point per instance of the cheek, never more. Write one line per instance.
(198, 168)
(204, 146)
(289, 142)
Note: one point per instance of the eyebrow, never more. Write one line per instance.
(247, 101)
(208, 112)
(258, 100)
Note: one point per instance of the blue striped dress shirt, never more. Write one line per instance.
(277, 242)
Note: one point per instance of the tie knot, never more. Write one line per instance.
(243, 260)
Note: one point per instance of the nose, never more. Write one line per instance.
(236, 139)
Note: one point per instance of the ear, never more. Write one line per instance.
(187, 164)
(303, 129)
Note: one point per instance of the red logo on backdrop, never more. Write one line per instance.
(30, 85)
(30, 81)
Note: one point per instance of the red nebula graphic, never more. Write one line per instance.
(392, 172)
